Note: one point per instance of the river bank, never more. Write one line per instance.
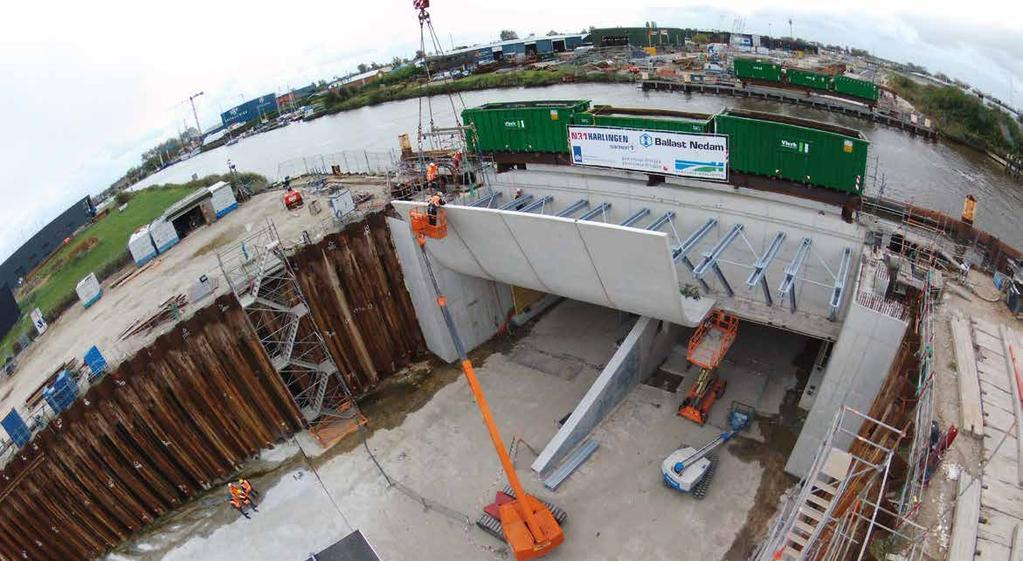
(935, 175)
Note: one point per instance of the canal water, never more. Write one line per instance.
(930, 174)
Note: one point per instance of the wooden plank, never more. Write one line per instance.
(1003, 497)
(985, 326)
(995, 526)
(999, 419)
(994, 376)
(963, 544)
(992, 551)
(992, 396)
(969, 386)
(1001, 469)
(991, 346)
(1010, 344)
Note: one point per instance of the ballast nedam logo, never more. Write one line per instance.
(600, 136)
(649, 141)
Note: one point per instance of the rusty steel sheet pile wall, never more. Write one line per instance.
(178, 417)
(356, 293)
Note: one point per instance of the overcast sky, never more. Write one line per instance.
(86, 86)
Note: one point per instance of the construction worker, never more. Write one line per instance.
(248, 489)
(237, 499)
(434, 203)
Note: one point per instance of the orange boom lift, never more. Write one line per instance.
(707, 347)
(528, 525)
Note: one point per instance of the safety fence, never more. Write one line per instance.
(348, 161)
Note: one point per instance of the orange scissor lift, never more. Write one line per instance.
(708, 345)
(529, 526)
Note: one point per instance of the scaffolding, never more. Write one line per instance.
(259, 273)
(837, 512)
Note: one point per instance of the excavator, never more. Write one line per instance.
(529, 526)
(708, 345)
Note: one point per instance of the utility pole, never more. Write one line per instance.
(191, 99)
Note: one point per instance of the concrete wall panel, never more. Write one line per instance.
(573, 273)
(492, 245)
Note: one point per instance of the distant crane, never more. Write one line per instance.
(191, 99)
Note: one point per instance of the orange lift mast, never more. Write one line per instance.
(528, 525)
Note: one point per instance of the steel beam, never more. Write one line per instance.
(636, 217)
(758, 275)
(485, 201)
(573, 208)
(787, 287)
(836, 293)
(536, 204)
(681, 253)
(656, 224)
(711, 256)
(515, 203)
(596, 211)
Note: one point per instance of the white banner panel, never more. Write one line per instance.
(704, 156)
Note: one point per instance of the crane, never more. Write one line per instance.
(689, 469)
(529, 526)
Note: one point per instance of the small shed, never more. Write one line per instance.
(163, 234)
(191, 212)
(222, 198)
(89, 290)
(140, 245)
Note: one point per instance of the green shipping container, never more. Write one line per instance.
(522, 126)
(756, 69)
(794, 149)
(856, 88)
(808, 79)
(673, 121)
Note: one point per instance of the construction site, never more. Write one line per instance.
(524, 341)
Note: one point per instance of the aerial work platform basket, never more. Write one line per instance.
(426, 225)
(707, 347)
(712, 339)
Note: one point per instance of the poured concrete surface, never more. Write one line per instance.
(617, 506)
(173, 273)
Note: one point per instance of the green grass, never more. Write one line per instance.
(54, 282)
(962, 116)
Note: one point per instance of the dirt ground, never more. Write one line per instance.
(936, 510)
(71, 335)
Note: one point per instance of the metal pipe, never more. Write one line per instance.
(573, 208)
(661, 221)
(536, 204)
(598, 210)
(636, 217)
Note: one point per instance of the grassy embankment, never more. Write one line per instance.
(398, 87)
(961, 116)
(102, 247)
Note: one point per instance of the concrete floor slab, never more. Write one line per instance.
(617, 505)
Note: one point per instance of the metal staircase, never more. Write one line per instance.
(261, 277)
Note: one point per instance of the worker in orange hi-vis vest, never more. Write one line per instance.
(239, 501)
(433, 204)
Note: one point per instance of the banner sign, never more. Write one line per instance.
(703, 156)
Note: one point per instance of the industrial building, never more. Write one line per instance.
(529, 46)
(9, 312)
(250, 110)
(45, 242)
(676, 37)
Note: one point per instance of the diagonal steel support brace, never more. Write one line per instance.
(758, 275)
(681, 253)
(516, 203)
(536, 204)
(597, 211)
(485, 201)
(656, 224)
(711, 256)
(836, 293)
(573, 208)
(788, 286)
(636, 217)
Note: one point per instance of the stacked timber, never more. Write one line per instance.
(167, 424)
(989, 512)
